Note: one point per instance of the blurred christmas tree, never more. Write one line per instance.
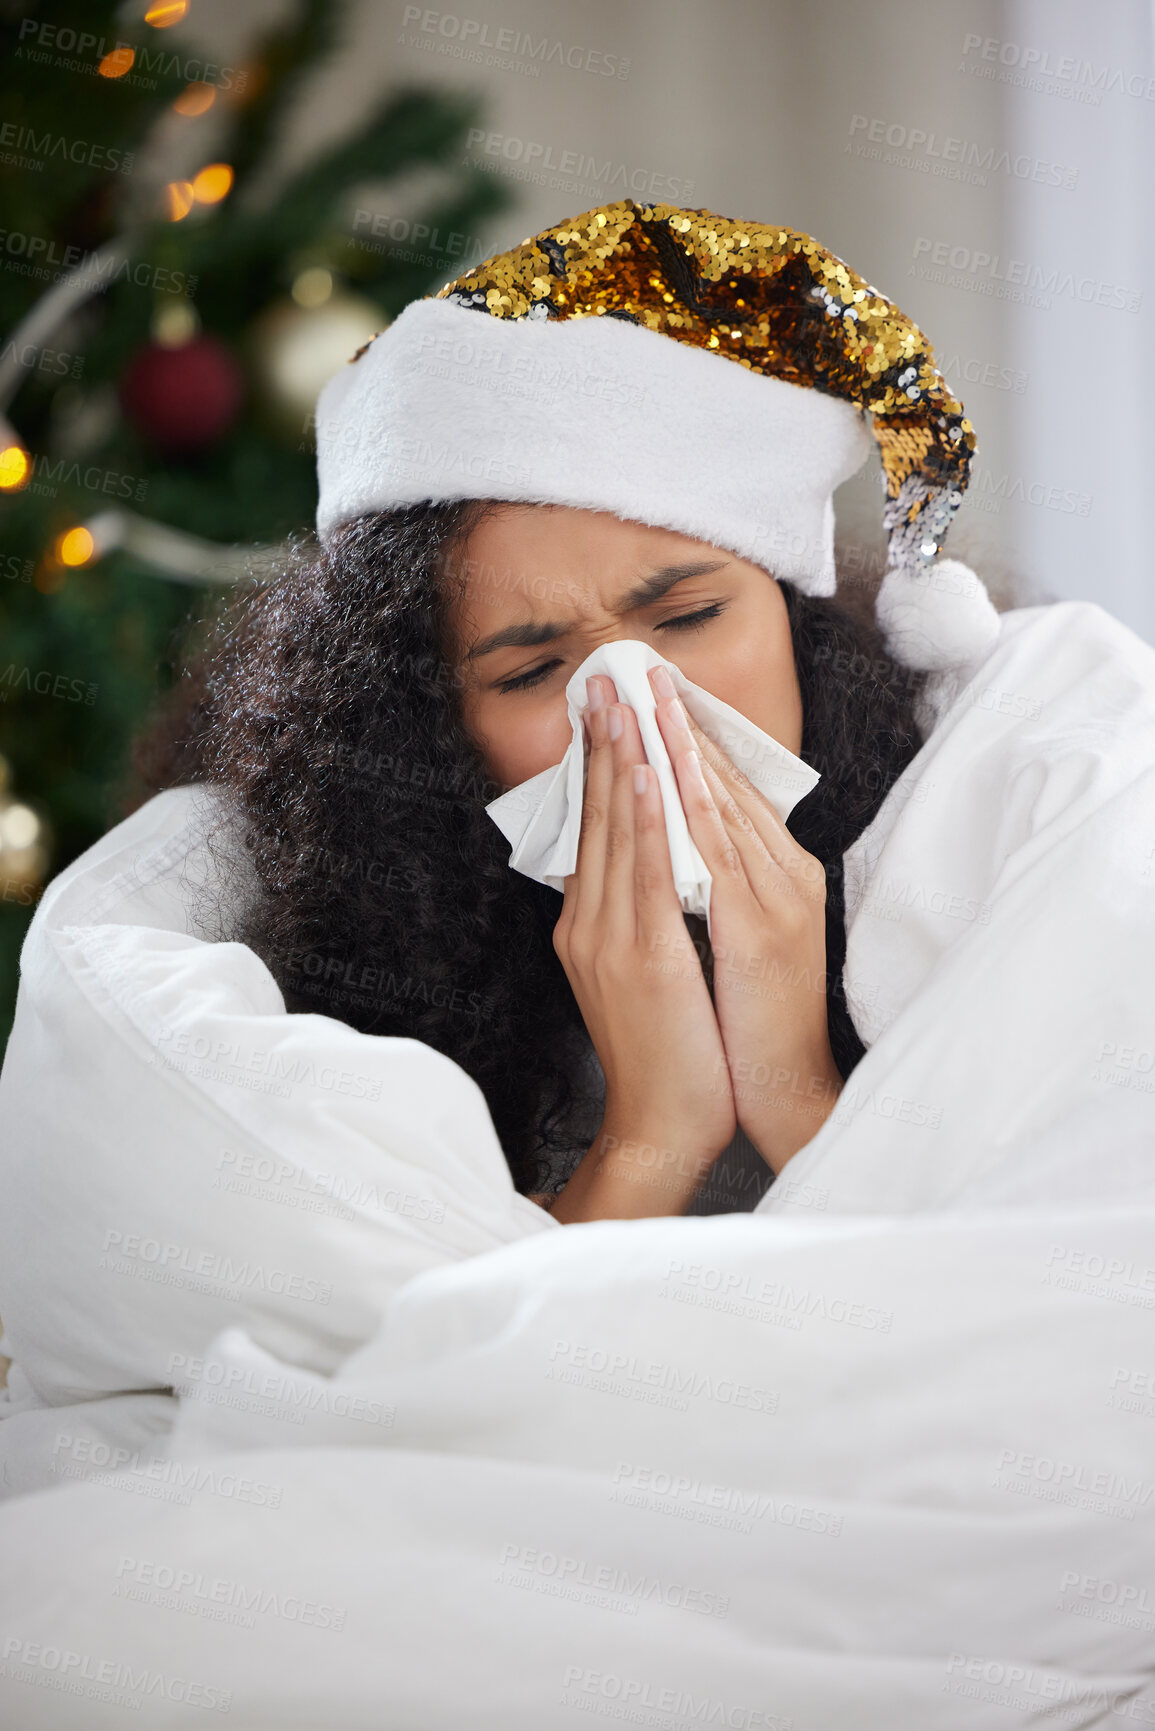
(169, 321)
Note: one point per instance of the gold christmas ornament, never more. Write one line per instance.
(298, 343)
(25, 846)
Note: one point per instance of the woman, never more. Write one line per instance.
(926, 990)
(930, 996)
(552, 455)
(371, 836)
(362, 711)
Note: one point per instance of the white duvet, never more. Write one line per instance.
(314, 1422)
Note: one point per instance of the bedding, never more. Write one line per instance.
(370, 1440)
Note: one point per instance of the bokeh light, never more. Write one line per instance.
(51, 576)
(175, 325)
(19, 826)
(116, 63)
(75, 547)
(213, 183)
(195, 99)
(166, 13)
(180, 199)
(313, 287)
(15, 469)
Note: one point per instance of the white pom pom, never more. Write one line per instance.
(936, 616)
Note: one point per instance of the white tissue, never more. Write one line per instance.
(542, 816)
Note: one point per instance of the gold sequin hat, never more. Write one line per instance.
(563, 394)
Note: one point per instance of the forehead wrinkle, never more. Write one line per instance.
(529, 633)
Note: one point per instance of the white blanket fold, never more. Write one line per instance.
(1000, 933)
(878, 1454)
(184, 1154)
(824, 1500)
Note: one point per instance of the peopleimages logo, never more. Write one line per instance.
(48, 478)
(574, 166)
(1044, 1694)
(257, 1390)
(470, 39)
(896, 1107)
(1014, 278)
(716, 1505)
(25, 148)
(83, 1457)
(1127, 1604)
(183, 1589)
(39, 255)
(272, 1178)
(1039, 69)
(230, 1061)
(1100, 1490)
(605, 1584)
(623, 1373)
(184, 1265)
(83, 51)
(932, 152)
(43, 683)
(641, 1701)
(94, 1676)
(970, 371)
(57, 363)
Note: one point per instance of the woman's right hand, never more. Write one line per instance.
(622, 940)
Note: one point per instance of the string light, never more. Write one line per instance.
(195, 99)
(75, 547)
(213, 183)
(15, 469)
(117, 62)
(182, 557)
(163, 16)
(180, 199)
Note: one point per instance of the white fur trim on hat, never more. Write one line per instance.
(935, 616)
(598, 413)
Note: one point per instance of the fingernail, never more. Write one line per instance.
(677, 710)
(693, 765)
(663, 684)
(614, 718)
(595, 694)
(640, 778)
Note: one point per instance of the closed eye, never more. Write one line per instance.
(684, 621)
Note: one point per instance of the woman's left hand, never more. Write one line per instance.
(768, 921)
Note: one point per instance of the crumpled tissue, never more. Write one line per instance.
(542, 816)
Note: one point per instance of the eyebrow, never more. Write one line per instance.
(650, 589)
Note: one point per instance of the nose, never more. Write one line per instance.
(600, 687)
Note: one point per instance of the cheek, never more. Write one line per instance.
(519, 736)
(753, 671)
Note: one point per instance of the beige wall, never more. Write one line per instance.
(765, 108)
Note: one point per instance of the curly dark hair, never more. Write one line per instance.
(323, 709)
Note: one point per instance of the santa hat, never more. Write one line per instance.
(568, 391)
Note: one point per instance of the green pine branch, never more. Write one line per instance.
(112, 629)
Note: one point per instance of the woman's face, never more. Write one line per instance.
(545, 585)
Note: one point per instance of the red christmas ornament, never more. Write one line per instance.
(183, 399)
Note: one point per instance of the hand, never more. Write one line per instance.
(768, 919)
(622, 940)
